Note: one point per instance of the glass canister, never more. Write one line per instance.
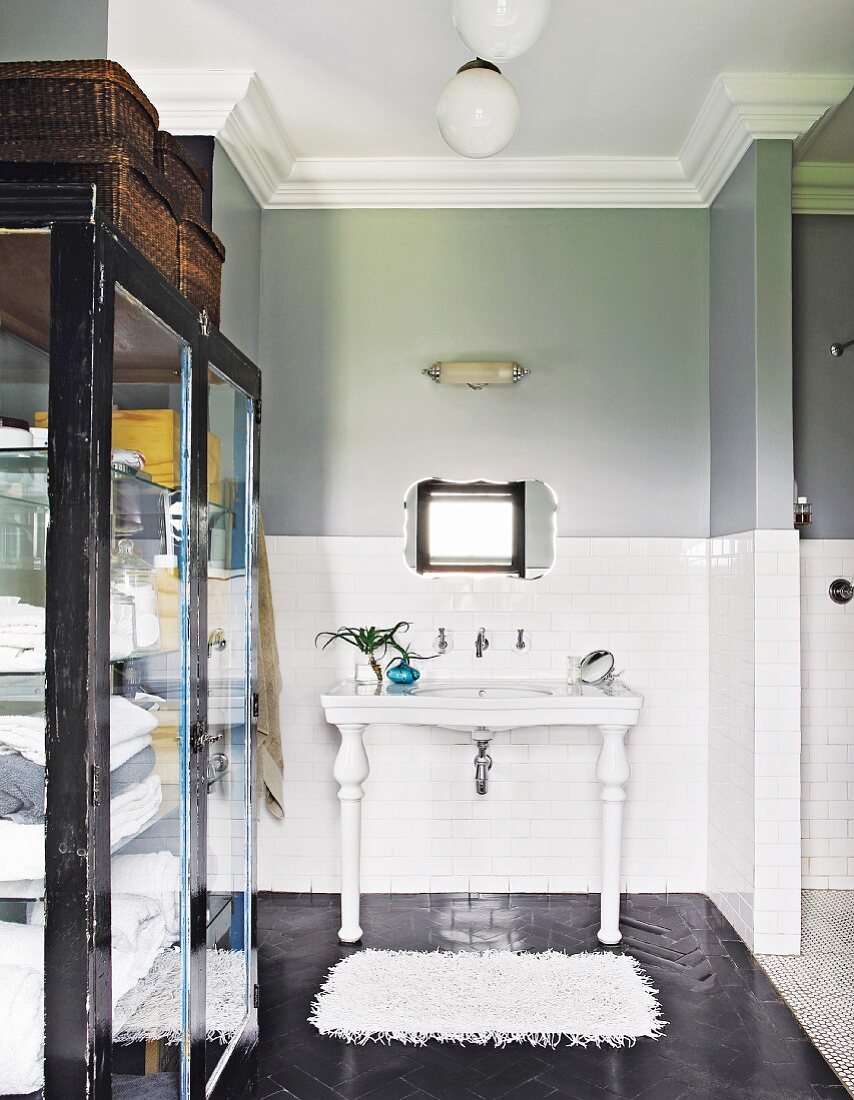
(132, 576)
(122, 625)
(573, 669)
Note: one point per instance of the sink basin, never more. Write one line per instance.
(495, 704)
(485, 691)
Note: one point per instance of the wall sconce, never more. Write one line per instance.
(476, 375)
(803, 512)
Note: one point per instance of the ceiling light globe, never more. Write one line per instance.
(500, 30)
(478, 111)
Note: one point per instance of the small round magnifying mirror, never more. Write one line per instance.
(597, 666)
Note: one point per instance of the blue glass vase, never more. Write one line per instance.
(403, 674)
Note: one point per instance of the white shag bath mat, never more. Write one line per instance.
(152, 1009)
(495, 997)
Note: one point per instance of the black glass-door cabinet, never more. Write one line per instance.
(128, 621)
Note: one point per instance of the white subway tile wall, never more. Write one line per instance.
(754, 736)
(827, 713)
(777, 787)
(732, 680)
(538, 829)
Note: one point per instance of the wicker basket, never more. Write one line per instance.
(200, 259)
(185, 174)
(132, 194)
(91, 102)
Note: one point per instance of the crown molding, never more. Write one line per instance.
(232, 106)
(745, 107)
(194, 101)
(414, 182)
(740, 108)
(823, 189)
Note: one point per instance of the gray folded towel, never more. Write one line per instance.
(21, 789)
(22, 784)
(133, 771)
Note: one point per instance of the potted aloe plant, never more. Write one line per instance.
(400, 669)
(371, 641)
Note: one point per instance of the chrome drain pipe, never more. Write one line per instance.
(482, 764)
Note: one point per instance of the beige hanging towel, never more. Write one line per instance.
(270, 764)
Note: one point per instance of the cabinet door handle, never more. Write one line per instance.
(200, 737)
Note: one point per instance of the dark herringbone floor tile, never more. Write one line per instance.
(729, 1036)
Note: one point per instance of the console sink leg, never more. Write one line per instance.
(612, 771)
(351, 770)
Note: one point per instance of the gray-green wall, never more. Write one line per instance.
(608, 308)
(824, 386)
(750, 344)
(237, 222)
(52, 30)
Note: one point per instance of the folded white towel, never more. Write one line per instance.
(22, 945)
(154, 875)
(120, 754)
(21, 852)
(130, 733)
(137, 938)
(17, 637)
(21, 1029)
(23, 733)
(22, 846)
(128, 721)
(133, 459)
(135, 808)
(22, 618)
(14, 659)
(21, 888)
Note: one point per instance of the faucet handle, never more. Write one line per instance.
(443, 643)
(522, 644)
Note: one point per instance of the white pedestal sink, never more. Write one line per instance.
(482, 708)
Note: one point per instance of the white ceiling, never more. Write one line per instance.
(610, 78)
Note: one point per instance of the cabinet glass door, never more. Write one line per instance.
(227, 837)
(25, 263)
(150, 705)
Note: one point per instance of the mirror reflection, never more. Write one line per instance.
(597, 666)
(500, 527)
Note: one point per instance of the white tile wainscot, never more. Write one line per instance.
(754, 736)
(827, 713)
(538, 829)
(777, 894)
(732, 683)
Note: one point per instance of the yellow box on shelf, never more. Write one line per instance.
(156, 434)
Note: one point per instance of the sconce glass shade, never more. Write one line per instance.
(500, 30)
(478, 111)
(476, 375)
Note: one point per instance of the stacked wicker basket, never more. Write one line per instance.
(89, 122)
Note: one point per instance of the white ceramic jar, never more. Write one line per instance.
(15, 434)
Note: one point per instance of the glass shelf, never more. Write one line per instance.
(23, 479)
(39, 673)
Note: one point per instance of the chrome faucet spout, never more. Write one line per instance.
(481, 642)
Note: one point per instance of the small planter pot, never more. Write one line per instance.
(403, 674)
(365, 674)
